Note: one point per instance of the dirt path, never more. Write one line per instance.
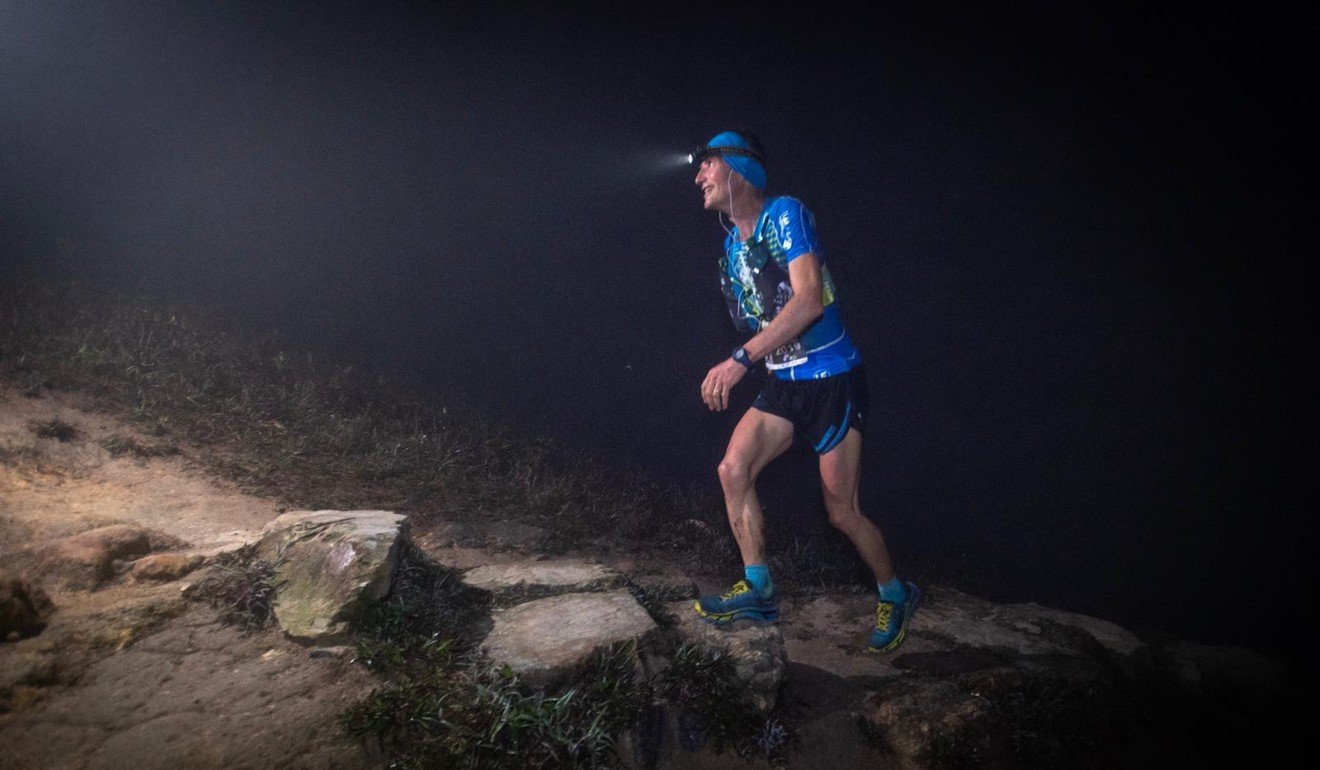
(71, 486)
(129, 674)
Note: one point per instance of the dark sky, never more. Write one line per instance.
(1063, 240)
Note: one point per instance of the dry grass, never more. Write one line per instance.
(240, 587)
(318, 434)
(55, 428)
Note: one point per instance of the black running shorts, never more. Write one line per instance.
(821, 410)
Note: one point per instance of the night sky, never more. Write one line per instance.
(1065, 241)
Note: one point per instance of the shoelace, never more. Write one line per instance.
(882, 613)
(739, 588)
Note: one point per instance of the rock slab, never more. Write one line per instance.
(1024, 629)
(164, 567)
(541, 578)
(544, 641)
(329, 567)
(86, 560)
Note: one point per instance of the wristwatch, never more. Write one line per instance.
(740, 355)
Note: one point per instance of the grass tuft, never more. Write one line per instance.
(241, 587)
(119, 445)
(55, 428)
(703, 684)
(655, 597)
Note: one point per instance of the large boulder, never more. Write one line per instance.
(1017, 684)
(757, 650)
(1015, 715)
(329, 567)
(24, 607)
(546, 640)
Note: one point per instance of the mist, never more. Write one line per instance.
(1055, 235)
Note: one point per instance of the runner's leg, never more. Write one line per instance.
(840, 474)
(759, 438)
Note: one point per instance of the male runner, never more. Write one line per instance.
(778, 288)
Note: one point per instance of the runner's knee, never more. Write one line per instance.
(842, 511)
(734, 473)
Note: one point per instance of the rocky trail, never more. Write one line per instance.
(109, 664)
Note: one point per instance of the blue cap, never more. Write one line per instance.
(745, 164)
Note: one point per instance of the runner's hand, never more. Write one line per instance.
(719, 381)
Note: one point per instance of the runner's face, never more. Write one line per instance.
(714, 179)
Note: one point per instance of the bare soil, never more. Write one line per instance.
(130, 674)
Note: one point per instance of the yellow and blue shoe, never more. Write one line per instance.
(892, 618)
(740, 602)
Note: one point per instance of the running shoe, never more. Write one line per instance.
(891, 620)
(740, 602)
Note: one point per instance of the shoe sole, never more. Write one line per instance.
(721, 618)
(907, 618)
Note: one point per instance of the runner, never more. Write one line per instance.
(778, 289)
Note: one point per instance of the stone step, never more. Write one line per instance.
(546, 640)
(524, 580)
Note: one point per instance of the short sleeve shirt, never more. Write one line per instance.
(756, 286)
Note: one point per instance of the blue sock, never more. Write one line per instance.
(758, 575)
(893, 591)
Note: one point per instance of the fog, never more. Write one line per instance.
(1056, 237)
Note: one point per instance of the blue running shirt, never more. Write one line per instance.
(754, 278)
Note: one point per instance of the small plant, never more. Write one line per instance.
(54, 428)
(410, 703)
(12, 455)
(653, 601)
(773, 738)
(241, 587)
(118, 445)
(714, 709)
(814, 559)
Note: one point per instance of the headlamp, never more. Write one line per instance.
(708, 151)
